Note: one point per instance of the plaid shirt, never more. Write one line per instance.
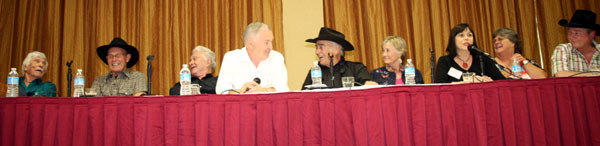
(127, 83)
(567, 58)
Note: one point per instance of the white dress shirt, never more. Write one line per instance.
(237, 69)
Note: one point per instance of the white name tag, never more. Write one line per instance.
(455, 73)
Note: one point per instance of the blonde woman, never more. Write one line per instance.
(394, 52)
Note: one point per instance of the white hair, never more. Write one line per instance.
(208, 55)
(253, 28)
(30, 57)
(341, 48)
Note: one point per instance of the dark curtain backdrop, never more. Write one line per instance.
(168, 29)
(426, 24)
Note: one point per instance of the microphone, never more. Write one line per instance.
(257, 80)
(472, 47)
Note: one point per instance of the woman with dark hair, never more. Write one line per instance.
(508, 48)
(461, 59)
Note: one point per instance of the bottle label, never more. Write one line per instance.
(185, 77)
(12, 80)
(315, 73)
(410, 70)
(79, 81)
(516, 68)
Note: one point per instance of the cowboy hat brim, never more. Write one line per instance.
(566, 23)
(344, 43)
(102, 52)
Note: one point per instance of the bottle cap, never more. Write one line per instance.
(185, 65)
(13, 69)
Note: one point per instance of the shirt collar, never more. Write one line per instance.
(122, 74)
(596, 45)
(34, 82)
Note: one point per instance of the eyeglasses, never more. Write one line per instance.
(117, 56)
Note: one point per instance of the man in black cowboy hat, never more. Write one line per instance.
(333, 43)
(582, 54)
(119, 56)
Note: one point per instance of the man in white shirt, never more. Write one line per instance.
(256, 62)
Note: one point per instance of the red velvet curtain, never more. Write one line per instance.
(562, 111)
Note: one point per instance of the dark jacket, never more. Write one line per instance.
(384, 77)
(342, 69)
(208, 84)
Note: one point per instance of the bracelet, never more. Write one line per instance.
(524, 62)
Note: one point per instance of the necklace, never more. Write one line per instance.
(464, 64)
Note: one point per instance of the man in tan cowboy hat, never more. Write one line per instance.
(331, 45)
(119, 56)
(581, 56)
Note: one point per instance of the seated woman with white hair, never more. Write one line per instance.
(34, 67)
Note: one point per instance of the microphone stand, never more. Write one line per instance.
(432, 64)
(481, 64)
(331, 70)
(69, 77)
(149, 72)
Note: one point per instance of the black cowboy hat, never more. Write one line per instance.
(332, 35)
(582, 19)
(118, 42)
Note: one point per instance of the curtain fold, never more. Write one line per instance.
(561, 111)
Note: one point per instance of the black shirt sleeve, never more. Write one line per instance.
(362, 74)
(418, 77)
(175, 89)
(307, 81)
(491, 70)
(441, 70)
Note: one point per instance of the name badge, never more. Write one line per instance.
(455, 73)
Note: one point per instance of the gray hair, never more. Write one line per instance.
(511, 35)
(208, 54)
(340, 47)
(30, 57)
(253, 28)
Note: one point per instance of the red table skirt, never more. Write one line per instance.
(562, 111)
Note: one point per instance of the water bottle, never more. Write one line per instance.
(185, 80)
(13, 83)
(516, 68)
(409, 72)
(316, 74)
(79, 83)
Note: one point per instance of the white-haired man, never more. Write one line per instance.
(202, 64)
(332, 43)
(34, 67)
(256, 61)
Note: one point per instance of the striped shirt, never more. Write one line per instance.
(567, 58)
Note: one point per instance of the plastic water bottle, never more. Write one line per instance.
(516, 68)
(13, 83)
(79, 83)
(316, 74)
(409, 72)
(185, 80)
